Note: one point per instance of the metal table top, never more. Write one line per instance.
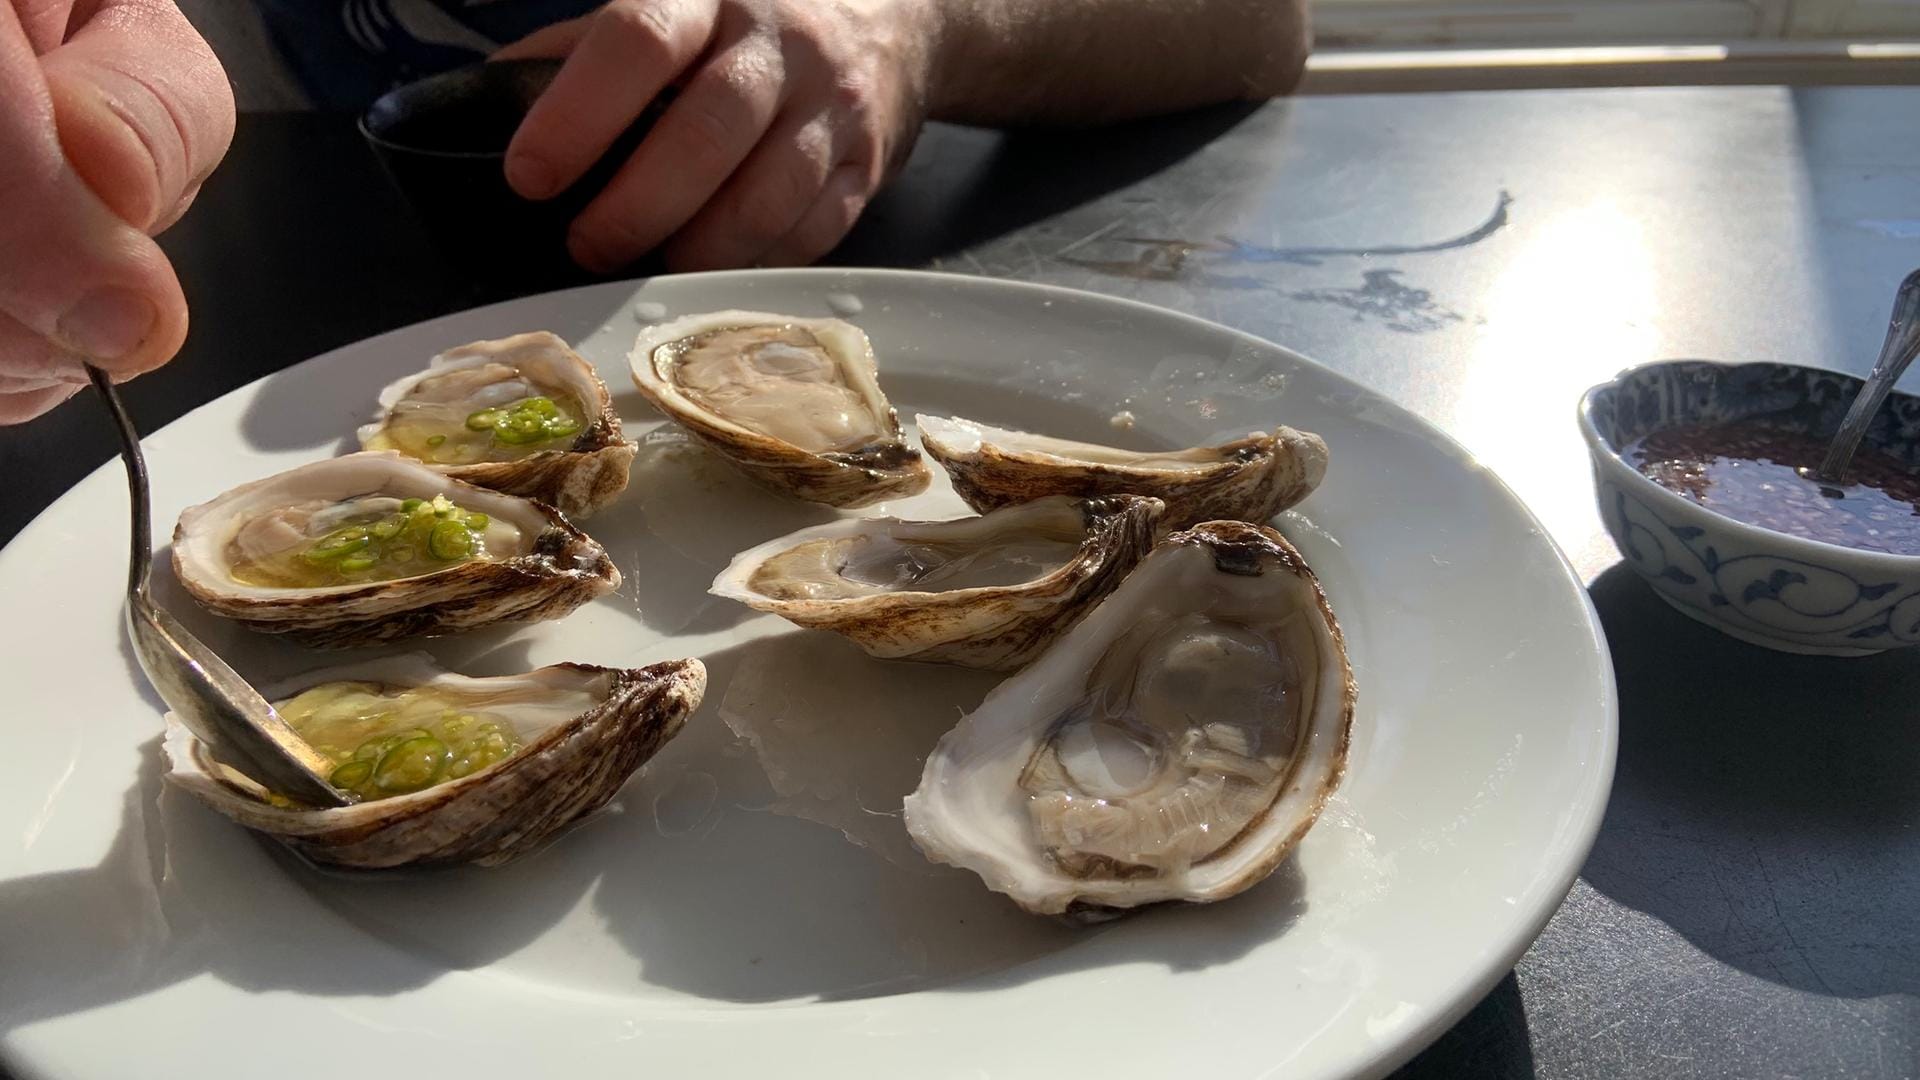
(1751, 906)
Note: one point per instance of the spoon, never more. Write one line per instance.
(1902, 345)
(212, 699)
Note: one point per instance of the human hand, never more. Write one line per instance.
(790, 115)
(111, 114)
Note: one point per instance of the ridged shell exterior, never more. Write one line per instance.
(890, 468)
(576, 481)
(1255, 478)
(942, 814)
(488, 818)
(564, 569)
(996, 627)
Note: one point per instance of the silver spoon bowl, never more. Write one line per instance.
(214, 702)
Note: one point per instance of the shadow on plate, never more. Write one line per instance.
(684, 515)
(182, 892)
(1763, 803)
(723, 872)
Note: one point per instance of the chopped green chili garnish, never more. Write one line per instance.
(530, 420)
(384, 741)
(423, 528)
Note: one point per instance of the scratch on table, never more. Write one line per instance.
(1158, 259)
(1033, 257)
(1609, 1027)
(1786, 927)
(1091, 237)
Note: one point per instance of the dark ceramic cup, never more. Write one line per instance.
(443, 141)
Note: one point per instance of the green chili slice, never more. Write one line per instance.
(352, 775)
(339, 543)
(410, 766)
(450, 540)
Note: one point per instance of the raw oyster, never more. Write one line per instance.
(1174, 745)
(985, 592)
(1249, 479)
(793, 403)
(584, 730)
(376, 546)
(525, 415)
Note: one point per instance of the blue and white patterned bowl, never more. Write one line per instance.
(1758, 585)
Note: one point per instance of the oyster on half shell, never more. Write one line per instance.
(985, 592)
(581, 732)
(524, 414)
(1246, 479)
(793, 403)
(1174, 745)
(376, 546)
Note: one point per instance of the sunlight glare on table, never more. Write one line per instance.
(1576, 305)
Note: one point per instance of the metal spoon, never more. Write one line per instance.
(213, 701)
(1902, 345)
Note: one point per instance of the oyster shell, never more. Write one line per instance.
(587, 729)
(793, 403)
(426, 415)
(528, 562)
(1249, 479)
(1174, 745)
(985, 592)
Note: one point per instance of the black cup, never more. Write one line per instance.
(443, 140)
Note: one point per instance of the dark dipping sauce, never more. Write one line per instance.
(1763, 475)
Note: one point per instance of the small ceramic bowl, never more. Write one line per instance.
(1780, 591)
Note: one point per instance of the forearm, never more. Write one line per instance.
(1079, 61)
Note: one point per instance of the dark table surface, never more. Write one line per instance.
(1752, 906)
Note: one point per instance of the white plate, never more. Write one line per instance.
(720, 921)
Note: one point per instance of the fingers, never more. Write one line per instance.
(696, 144)
(41, 379)
(826, 223)
(627, 53)
(553, 41)
(74, 277)
(763, 200)
(143, 110)
(19, 408)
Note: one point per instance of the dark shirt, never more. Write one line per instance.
(348, 52)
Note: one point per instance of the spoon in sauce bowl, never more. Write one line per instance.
(1901, 346)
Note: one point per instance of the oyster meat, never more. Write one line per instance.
(1247, 479)
(794, 403)
(1174, 745)
(525, 415)
(376, 546)
(986, 592)
(450, 769)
